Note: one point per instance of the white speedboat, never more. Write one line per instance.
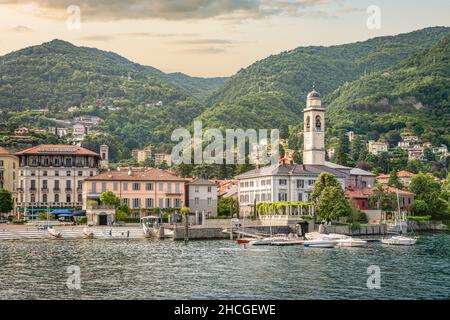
(168, 233)
(323, 242)
(88, 234)
(53, 233)
(151, 227)
(333, 236)
(350, 242)
(400, 241)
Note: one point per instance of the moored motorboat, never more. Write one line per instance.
(269, 240)
(350, 242)
(168, 233)
(400, 241)
(323, 242)
(53, 233)
(151, 227)
(88, 234)
(244, 240)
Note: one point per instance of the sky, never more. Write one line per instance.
(209, 38)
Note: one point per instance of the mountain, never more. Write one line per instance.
(198, 87)
(272, 92)
(414, 91)
(58, 75)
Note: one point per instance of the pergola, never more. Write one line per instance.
(285, 208)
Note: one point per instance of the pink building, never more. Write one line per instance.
(140, 189)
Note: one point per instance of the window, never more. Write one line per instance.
(80, 185)
(197, 189)
(149, 203)
(263, 183)
(56, 173)
(263, 197)
(68, 185)
(2, 163)
(33, 198)
(177, 188)
(68, 173)
(44, 198)
(169, 188)
(103, 186)
(33, 173)
(80, 173)
(80, 198)
(283, 182)
(91, 173)
(115, 186)
(21, 173)
(161, 186)
(177, 203)
(168, 203)
(126, 202)
(149, 187)
(94, 187)
(282, 196)
(209, 201)
(68, 164)
(196, 201)
(209, 189)
(125, 186)
(300, 183)
(56, 197)
(311, 182)
(44, 173)
(56, 184)
(136, 186)
(300, 197)
(251, 184)
(161, 203)
(44, 184)
(136, 203)
(33, 184)
(68, 198)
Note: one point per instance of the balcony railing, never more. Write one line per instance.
(56, 189)
(68, 189)
(44, 189)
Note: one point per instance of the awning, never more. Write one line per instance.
(61, 211)
(65, 215)
(31, 216)
(80, 213)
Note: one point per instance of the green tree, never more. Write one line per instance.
(423, 185)
(324, 180)
(332, 203)
(394, 181)
(110, 199)
(419, 208)
(6, 201)
(227, 206)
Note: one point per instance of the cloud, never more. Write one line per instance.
(205, 41)
(21, 28)
(203, 50)
(159, 35)
(97, 38)
(176, 9)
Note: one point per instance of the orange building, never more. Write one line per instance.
(140, 189)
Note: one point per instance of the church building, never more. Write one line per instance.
(290, 182)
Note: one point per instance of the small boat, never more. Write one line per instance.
(88, 234)
(151, 227)
(269, 240)
(350, 242)
(323, 242)
(244, 240)
(332, 236)
(290, 242)
(400, 241)
(168, 233)
(54, 234)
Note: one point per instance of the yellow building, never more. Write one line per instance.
(9, 165)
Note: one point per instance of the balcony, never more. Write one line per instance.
(32, 189)
(56, 189)
(44, 189)
(79, 190)
(19, 189)
(68, 189)
(173, 194)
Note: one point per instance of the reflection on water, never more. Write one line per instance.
(150, 269)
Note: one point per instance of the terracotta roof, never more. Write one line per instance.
(47, 149)
(152, 174)
(202, 182)
(405, 174)
(4, 150)
(400, 192)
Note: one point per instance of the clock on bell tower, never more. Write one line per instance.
(314, 130)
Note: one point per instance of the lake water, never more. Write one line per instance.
(151, 269)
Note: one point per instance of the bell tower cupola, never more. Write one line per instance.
(314, 130)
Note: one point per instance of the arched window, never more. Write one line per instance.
(308, 123)
(318, 123)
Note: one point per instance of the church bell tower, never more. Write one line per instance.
(314, 130)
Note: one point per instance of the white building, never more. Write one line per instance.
(202, 197)
(377, 147)
(289, 182)
(53, 175)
